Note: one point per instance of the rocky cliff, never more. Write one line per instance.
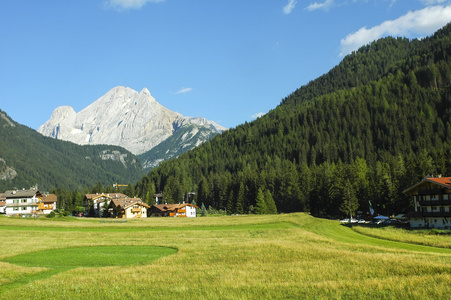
(122, 117)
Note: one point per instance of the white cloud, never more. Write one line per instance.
(323, 5)
(128, 4)
(184, 90)
(415, 23)
(258, 115)
(287, 9)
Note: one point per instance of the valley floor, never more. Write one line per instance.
(244, 257)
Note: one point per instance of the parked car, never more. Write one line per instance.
(347, 220)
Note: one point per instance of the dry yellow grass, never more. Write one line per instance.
(247, 257)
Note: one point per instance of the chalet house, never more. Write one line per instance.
(47, 204)
(95, 203)
(432, 201)
(173, 210)
(28, 202)
(127, 208)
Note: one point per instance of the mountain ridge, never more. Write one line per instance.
(122, 117)
(28, 158)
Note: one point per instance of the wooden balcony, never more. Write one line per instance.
(435, 202)
(434, 191)
(42, 206)
(436, 214)
(21, 204)
(136, 210)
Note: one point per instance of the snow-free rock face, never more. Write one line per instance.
(122, 117)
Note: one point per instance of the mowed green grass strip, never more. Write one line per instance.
(59, 260)
(125, 228)
(345, 234)
(93, 256)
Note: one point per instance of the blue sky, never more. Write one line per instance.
(228, 61)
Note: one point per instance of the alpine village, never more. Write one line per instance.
(367, 142)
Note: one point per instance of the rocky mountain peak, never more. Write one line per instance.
(122, 117)
(145, 91)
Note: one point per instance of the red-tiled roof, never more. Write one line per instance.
(442, 181)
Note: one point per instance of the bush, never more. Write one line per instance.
(51, 214)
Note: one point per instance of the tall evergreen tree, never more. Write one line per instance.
(270, 204)
(239, 206)
(260, 204)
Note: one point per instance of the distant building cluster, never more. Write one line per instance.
(33, 203)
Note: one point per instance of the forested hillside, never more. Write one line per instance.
(181, 141)
(374, 125)
(28, 158)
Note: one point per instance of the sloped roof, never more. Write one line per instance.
(50, 198)
(441, 181)
(124, 203)
(21, 193)
(107, 195)
(172, 207)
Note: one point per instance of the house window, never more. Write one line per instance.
(15, 208)
(24, 208)
(24, 200)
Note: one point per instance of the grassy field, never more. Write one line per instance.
(292, 256)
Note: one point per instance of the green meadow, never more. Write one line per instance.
(289, 256)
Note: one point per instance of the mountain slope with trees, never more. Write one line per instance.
(371, 127)
(181, 141)
(28, 158)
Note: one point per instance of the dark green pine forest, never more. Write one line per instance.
(28, 158)
(372, 126)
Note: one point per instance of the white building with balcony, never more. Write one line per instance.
(28, 202)
(22, 202)
(432, 203)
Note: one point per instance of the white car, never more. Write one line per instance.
(347, 220)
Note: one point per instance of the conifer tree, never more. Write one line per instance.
(230, 203)
(239, 207)
(270, 204)
(260, 204)
(350, 202)
(203, 210)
